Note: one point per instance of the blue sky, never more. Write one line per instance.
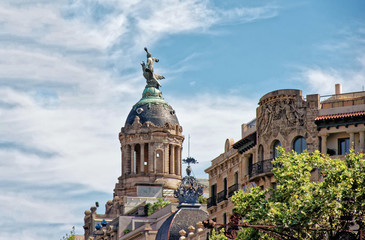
(70, 73)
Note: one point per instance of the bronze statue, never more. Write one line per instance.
(149, 75)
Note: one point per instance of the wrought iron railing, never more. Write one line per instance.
(260, 168)
(212, 201)
(232, 189)
(222, 196)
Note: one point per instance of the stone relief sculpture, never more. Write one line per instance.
(108, 207)
(265, 119)
(148, 71)
(273, 115)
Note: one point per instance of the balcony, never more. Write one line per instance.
(222, 196)
(232, 189)
(212, 202)
(260, 168)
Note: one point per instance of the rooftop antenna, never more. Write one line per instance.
(189, 160)
(189, 144)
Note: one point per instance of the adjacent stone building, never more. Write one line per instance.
(332, 124)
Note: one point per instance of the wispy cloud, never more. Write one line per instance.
(210, 119)
(28, 209)
(321, 78)
(244, 15)
(69, 75)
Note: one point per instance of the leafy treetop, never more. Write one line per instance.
(313, 192)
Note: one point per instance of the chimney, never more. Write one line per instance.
(338, 88)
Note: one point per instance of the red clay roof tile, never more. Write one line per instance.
(340, 115)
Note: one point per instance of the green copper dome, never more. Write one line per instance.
(152, 107)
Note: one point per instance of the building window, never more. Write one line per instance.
(250, 160)
(275, 150)
(224, 218)
(343, 146)
(213, 192)
(236, 178)
(299, 145)
(225, 186)
(261, 153)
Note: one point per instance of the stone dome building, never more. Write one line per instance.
(151, 144)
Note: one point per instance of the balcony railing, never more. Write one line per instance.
(260, 167)
(212, 201)
(232, 189)
(222, 196)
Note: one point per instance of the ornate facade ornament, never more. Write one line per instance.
(278, 112)
(189, 190)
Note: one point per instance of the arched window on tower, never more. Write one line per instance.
(177, 160)
(137, 158)
(299, 145)
(261, 153)
(275, 150)
(145, 157)
(159, 161)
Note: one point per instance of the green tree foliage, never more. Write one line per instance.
(202, 200)
(151, 208)
(71, 236)
(215, 235)
(313, 192)
(127, 231)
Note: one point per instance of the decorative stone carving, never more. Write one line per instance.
(108, 207)
(182, 234)
(189, 189)
(280, 112)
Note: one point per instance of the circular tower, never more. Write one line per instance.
(151, 141)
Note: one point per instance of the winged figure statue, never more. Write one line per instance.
(148, 73)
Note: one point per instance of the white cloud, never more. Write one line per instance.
(22, 208)
(347, 47)
(243, 15)
(323, 80)
(44, 23)
(211, 119)
(67, 82)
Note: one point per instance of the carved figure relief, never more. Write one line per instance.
(108, 207)
(280, 116)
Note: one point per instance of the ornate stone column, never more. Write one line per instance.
(352, 140)
(132, 160)
(324, 143)
(362, 144)
(151, 158)
(123, 160)
(127, 158)
(244, 165)
(141, 155)
(179, 161)
(166, 158)
(177, 155)
(172, 159)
